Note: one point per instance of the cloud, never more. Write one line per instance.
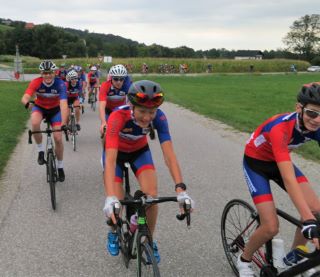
(202, 24)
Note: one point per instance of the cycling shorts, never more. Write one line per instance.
(71, 100)
(52, 115)
(139, 161)
(258, 174)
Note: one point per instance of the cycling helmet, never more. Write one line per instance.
(146, 94)
(94, 68)
(118, 71)
(77, 68)
(309, 94)
(72, 75)
(47, 66)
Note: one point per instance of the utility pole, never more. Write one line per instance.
(18, 69)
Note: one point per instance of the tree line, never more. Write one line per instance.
(45, 41)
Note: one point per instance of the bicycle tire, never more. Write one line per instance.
(145, 268)
(239, 220)
(73, 133)
(52, 179)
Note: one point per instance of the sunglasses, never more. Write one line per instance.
(311, 113)
(117, 79)
(142, 98)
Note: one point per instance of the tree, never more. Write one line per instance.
(304, 36)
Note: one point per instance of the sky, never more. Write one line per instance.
(198, 24)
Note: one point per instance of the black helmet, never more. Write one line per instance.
(309, 94)
(146, 94)
(47, 66)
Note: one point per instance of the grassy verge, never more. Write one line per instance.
(13, 118)
(241, 101)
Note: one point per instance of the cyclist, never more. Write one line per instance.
(51, 97)
(113, 93)
(74, 89)
(267, 157)
(93, 82)
(62, 72)
(126, 141)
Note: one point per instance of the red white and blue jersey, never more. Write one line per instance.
(124, 134)
(276, 137)
(47, 96)
(92, 77)
(62, 74)
(114, 97)
(73, 91)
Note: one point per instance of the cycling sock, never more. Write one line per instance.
(40, 147)
(60, 164)
(244, 260)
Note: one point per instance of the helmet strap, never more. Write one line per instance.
(300, 120)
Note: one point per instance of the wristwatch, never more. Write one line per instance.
(181, 185)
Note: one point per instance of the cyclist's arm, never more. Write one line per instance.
(25, 99)
(294, 189)
(30, 91)
(64, 111)
(171, 161)
(102, 112)
(279, 138)
(109, 172)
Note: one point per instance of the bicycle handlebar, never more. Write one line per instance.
(144, 201)
(47, 131)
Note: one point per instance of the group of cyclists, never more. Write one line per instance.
(129, 111)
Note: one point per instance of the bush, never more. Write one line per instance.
(315, 60)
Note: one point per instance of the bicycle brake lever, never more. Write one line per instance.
(66, 134)
(30, 137)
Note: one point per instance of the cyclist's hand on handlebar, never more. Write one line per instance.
(64, 128)
(310, 230)
(110, 203)
(103, 127)
(183, 198)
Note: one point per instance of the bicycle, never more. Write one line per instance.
(51, 169)
(239, 220)
(139, 244)
(72, 126)
(93, 98)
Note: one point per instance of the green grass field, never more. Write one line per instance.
(13, 118)
(241, 101)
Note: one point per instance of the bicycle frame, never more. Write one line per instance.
(313, 259)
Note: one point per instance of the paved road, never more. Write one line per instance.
(35, 241)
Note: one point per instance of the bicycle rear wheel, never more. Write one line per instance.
(51, 171)
(239, 220)
(146, 262)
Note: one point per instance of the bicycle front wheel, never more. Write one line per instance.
(238, 222)
(146, 262)
(52, 179)
(74, 133)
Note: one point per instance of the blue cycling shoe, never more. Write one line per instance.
(113, 244)
(155, 254)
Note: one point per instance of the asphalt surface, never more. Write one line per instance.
(37, 241)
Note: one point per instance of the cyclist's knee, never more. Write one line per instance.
(271, 229)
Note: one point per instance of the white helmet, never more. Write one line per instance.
(72, 75)
(94, 68)
(118, 71)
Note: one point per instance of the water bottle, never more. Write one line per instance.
(278, 253)
(133, 223)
